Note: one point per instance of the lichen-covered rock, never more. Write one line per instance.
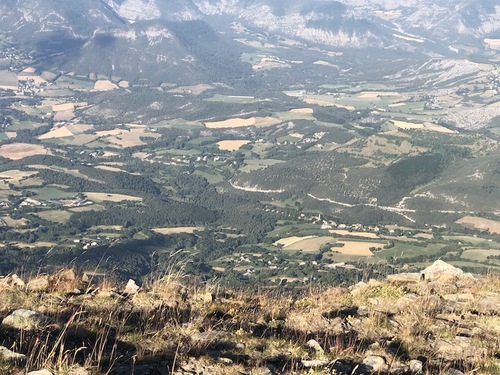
(8, 356)
(40, 372)
(25, 319)
(442, 272)
(315, 346)
(131, 288)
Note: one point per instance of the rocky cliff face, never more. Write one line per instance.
(438, 321)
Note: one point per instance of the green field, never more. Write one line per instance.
(8, 78)
(406, 250)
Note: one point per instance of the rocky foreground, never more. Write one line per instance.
(439, 321)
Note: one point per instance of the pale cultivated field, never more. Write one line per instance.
(103, 197)
(29, 70)
(325, 63)
(231, 145)
(141, 155)
(56, 216)
(79, 128)
(310, 245)
(492, 43)
(109, 168)
(17, 151)
(177, 230)
(397, 105)
(418, 40)
(33, 245)
(302, 110)
(57, 133)
(407, 125)
(11, 134)
(90, 207)
(106, 133)
(104, 85)
(63, 107)
(325, 103)
(14, 223)
(437, 128)
(344, 232)
(231, 123)
(106, 227)
(16, 175)
(64, 115)
(124, 84)
(37, 79)
(427, 236)
(131, 137)
(480, 223)
(195, 90)
(71, 172)
(291, 240)
(356, 248)
(377, 94)
(480, 255)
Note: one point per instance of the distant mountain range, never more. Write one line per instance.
(183, 39)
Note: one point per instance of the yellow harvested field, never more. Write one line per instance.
(343, 232)
(103, 197)
(106, 227)
(231, 145)
(325, 103)
(492, 43)
(438, 128)
(357, 248)
(124, 84)
(11, 134)
(480, 223)
(17, 151)
(63, 107)
(291, 240)
(177, 230)
(231, 123)
(302, 110)
(397, 105)
(407, 125)
(33, 245)
(57, 133)
(311, 245)
(418, 40)
(104, 85)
